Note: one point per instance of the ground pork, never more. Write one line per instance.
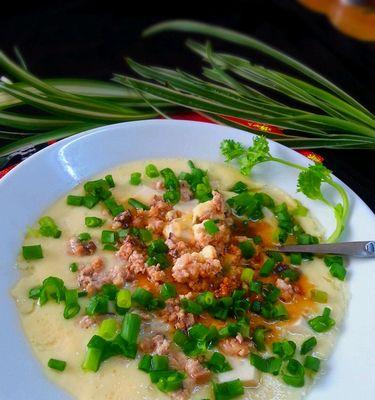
(219, 239)
(87, 321)
(186, 193)
(193, 266)
(155, 217)
(155, 274)
(91, 277)
(176, 316)
(80, 248)
(212, 209)
(122, 220)
(194, 369)
(235, 346)
(176, 247)
(158, 344)
(287, 291)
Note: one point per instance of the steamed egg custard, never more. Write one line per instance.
(155, 280)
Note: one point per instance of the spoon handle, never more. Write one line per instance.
(355, 249)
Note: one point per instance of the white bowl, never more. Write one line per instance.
(40, 180)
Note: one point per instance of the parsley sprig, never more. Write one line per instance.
(310, 179)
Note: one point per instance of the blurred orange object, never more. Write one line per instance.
(356, 20)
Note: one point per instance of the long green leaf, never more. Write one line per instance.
(248, 41)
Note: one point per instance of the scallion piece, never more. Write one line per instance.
(93, 222)
(312, 363)
(296, 258)
(228, 390)
(138, 204)
(296, 376)
(93, 357)
(319, 296)
(33, 252)
(34, 293)
(113, 207)
(73, 267)
(110, 181)
(58, 365)
(168, 291)
(191, 306)
(48, 227)
(322, 323)
(131, 327)
(72, 200)
(256, 287)
(135, 178)
(338, 271)
(97, 304)
(84, 236)
(52, 289)
(285, 350)
(259, 337)
(124, 298)
(109, 237)
(142, 297)
(210, 227)
(308, 345)
(218, 363)
(71, 303)
(170, 383)
(330, 259)
(108, 329)
(145, 235)
(90, 201)
(151, 171)
(145, 363)
(247, 249)
(109, 247)
(267, 267)
(159, 363)
(206, 300)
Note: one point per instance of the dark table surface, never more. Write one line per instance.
(84, 39)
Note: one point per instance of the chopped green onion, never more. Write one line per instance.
(156, 247)
(52, 289)
(71, 303)
(257, 239)
(93, 222)
(110, 181)
(305, 238)
(259, 337)
(93, 357)
(312, 363)
(319, 296)
(145, 363)
(210, 227)
(206, 299)
(110, 247)
(151, 171)
(285, 350)
(267, 267)
(138, 204)
(171, 183)
(329, 260)
(48, 227)
(322, 323)
(34, 252)
(239, 187)
(270, 365)
(97, 304)
(256, 287)
(297, 374)
(308, 345)
(84, 237)
(108, 329)
(73, 267)
(113, 207)
(295, 258)
(191, 306)
(228, 390)
(109, 237)
(145, 235)
(98, 188)
(270, 292)
(131, 327)
(218, 363)
(58, 365)
(159, 363)
(338, 271)
(170, 383)
(168, 291)
(72, 200)
(34, 293)
(124, 298)
(292, 274)
(142, 297)
(247, 249)
(90, 201)
(275, 255)
(135, 178)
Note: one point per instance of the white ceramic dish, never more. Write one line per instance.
(36, 183)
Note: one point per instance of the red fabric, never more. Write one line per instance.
(200, 118)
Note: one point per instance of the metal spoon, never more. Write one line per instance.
(354, 249)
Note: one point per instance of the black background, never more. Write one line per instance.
(89, 40)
